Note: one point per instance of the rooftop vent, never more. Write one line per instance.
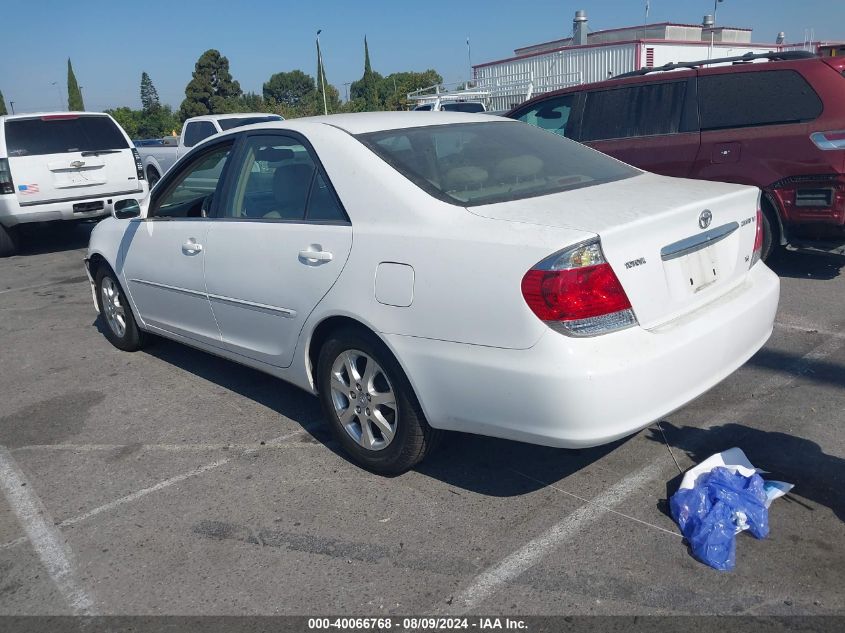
(579, 28)
(708, 21)
(781, 38)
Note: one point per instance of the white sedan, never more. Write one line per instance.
(469, 274)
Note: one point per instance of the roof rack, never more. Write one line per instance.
(772, 56)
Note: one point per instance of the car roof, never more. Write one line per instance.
(365, 122)
(38, 115)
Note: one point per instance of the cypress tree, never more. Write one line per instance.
(2, 105)
(369, 80)
(74, 94)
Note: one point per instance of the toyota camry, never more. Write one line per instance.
(459, 272)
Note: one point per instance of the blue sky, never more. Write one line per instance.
(112, 42)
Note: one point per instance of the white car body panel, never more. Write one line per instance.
(262, 289)
(477, 357)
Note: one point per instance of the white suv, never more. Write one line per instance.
(63, 166)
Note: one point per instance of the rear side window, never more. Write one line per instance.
(35, 137)
(198, 131)
(756, 98)
(551, 114)
(644, 110)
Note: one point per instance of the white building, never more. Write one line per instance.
(587, 57)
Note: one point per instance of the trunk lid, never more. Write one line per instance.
(674, 244)
(68, 156)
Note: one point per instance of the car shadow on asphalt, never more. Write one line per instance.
(55, 237)
(806, 264)
(818, 477)
(484, 465)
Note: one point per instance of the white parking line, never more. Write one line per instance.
(46, 540)
(512, 566)
(168, 448)
(276, 442)
(145, 491)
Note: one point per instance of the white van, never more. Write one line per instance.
(63, 166)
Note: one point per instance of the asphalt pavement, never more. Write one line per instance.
(169, 481)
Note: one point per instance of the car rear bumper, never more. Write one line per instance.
(13, 213)
(572, 392)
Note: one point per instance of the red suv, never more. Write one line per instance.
(777, 124)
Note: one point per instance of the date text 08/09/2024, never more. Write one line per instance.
(417, 623)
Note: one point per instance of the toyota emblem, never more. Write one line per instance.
(705, 219)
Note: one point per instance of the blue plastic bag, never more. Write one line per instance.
(720, 504)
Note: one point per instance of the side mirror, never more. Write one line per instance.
(126, 209)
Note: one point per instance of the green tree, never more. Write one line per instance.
(211, 89)
(288, 89)
(394, 88)
(3, 110)
(74, 94)
(250, 102)
(127, 119)
(149, 94)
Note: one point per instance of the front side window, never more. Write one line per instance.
(642, 110)
(191, 194)
(756, 98)
(279, 180)
(471, 164)
(62, 134)
(551, 114)
(197, 131)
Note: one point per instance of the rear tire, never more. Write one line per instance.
(771, 234)
(370, 405)
(8, 241)
(152, 177)
(120, 329)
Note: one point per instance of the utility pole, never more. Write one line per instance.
(58, 93)
(322, 71)
(469, 58)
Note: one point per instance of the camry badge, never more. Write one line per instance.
(78, 163)
(705, 219)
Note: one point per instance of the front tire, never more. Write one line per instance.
(371, 407)
(120, 329)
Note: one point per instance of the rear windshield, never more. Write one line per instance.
(462, 107)
(480, 163)
(228, 124)
(34, 137)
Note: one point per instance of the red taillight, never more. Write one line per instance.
(568, 295)
(758, 239)
(577, 292)
(6, 183)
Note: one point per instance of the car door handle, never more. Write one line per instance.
(315, 256)
(191, 247)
